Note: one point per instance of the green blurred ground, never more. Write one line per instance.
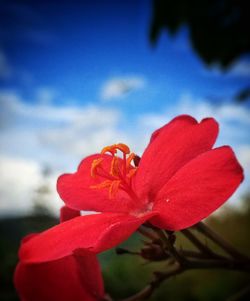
(125, 274)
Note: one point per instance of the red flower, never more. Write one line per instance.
(67, 213)
(75, 277)
(180, 180)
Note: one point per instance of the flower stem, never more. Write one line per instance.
(147, 291)
(205, 250)
(184, 260)
(170, 247)
(149, 234)
(224, 245)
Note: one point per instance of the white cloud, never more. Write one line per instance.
(244, 152)
(49, 133)
(224, 112)
(34, 135)
(87, 134)
(14, 105)
(201, 108)
(118, 87)
(20, 180)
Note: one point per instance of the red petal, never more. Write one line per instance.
(183, 118)
(67, 213)
(198, 189)
(173, 146)
(96, 233)
(75, 189)
(70, 278)
(89, 271)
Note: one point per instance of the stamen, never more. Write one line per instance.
(109, 149)
(114, 170)
(113, 189)
(131, 173)
(120, 173)
(123, 148)
(105, 184)
(95, 164)
(130, 159)
(114, 147)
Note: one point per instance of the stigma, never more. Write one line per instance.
(120, 172)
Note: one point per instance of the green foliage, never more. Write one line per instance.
(219, 29)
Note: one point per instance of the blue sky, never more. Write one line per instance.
(75, 76)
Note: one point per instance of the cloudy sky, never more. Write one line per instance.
(74, 78)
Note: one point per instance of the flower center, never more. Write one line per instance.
(120, 173)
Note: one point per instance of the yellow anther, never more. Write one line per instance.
(114, 170)
(130, 159)
(95, 164)
(113, 189)
(109, 149)
(123, 148)
(114, 147)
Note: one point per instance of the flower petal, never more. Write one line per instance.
(76, 277)
(67, 213)
(181, 118)
(96, 233)
(75, 189)
(89, 271)
(198, 189)
(173, 146)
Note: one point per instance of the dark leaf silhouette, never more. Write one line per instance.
(219, 29)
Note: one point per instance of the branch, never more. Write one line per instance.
(149, 234)
(205, 250)
(170, 246)
(147, 291)
(184, 260)
(227, 247)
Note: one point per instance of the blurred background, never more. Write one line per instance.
(78, 75)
